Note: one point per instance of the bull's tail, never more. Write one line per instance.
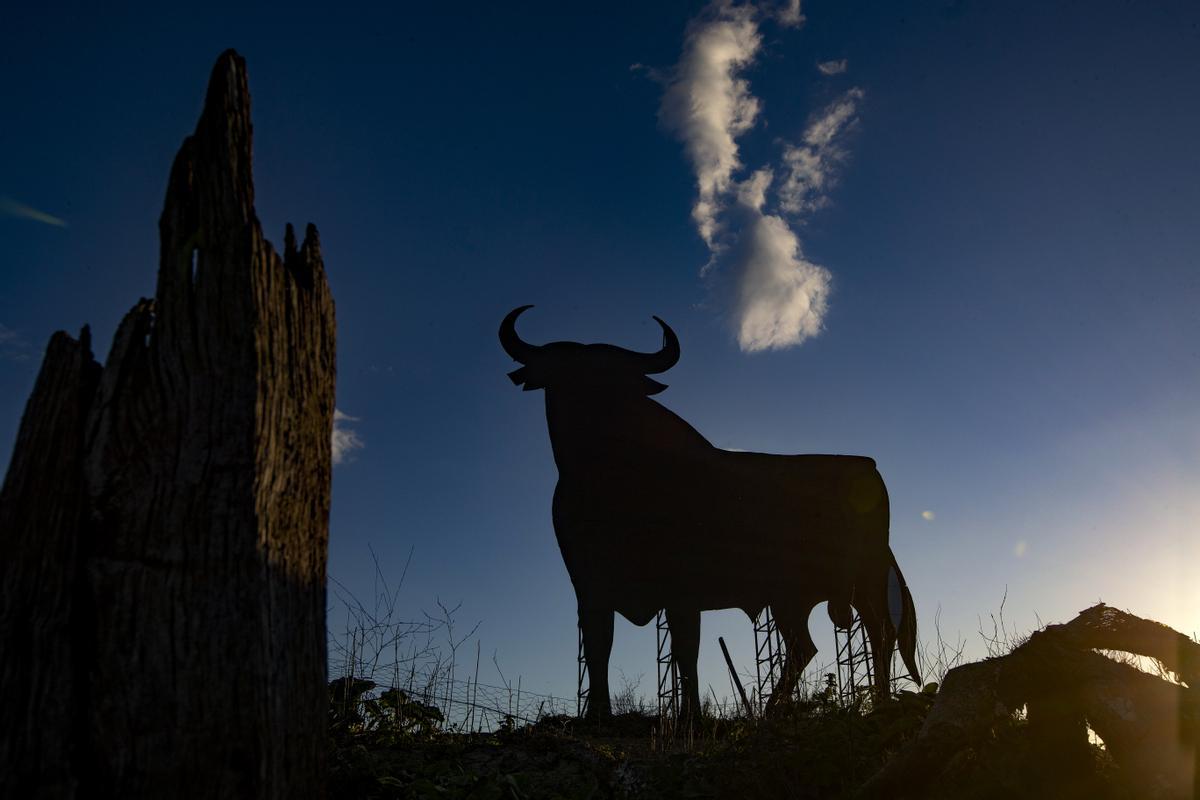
(904, 618)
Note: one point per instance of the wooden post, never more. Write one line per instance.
(736, 681)
(165, 520)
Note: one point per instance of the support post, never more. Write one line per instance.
(668, 671)
(769, 655)
(583, 686)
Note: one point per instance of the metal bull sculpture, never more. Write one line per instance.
(649, 515)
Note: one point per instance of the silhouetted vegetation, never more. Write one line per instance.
(813, 748)
(1017, 731)
(810, 749)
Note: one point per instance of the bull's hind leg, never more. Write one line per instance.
(881, 637)
(685, 650)
(792, 619)
(597, 628)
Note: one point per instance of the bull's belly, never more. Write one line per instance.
(704, 550)
(642, 607)
(637, 579)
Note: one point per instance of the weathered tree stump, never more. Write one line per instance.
(164, 519)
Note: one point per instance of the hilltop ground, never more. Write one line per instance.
(813, 750)
(1100, 707)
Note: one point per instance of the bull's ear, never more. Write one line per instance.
(651, 386)
(528, 377)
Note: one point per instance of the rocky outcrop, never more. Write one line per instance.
(1065, 683)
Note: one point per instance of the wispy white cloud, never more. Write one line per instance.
(835, 67)
(345, 440)
(708, 104)
(778, 296)
(812, 166)
(12, 208)
(773, 295)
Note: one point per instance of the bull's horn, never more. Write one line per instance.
(664, 359)
(513, 345)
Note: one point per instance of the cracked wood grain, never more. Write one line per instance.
(182, 496)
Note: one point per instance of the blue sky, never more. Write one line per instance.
(1008, 227)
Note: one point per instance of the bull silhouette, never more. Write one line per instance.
(649, 515)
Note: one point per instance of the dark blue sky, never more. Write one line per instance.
(1012, 327)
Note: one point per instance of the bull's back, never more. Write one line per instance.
(828, 484)
(801, 503)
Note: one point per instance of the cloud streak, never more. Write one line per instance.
(835, 67)
(774, 296)
(345, 439)
(812, 166)
(708, 104)
(12, 208)
(13, 346)
(789, 15)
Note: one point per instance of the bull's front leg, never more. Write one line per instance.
(685, 651)
(792, 619)
(597, 627)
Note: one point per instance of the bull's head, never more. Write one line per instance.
(586, 367)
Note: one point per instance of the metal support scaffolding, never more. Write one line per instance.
(855, 670)
(584, 686)
(768, 655)
(668, 672)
